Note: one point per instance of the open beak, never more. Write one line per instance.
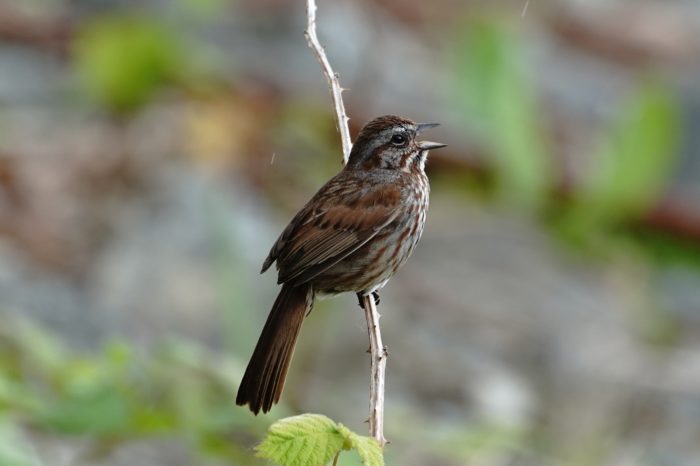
(427, 145)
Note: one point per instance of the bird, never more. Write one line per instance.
(351, 236)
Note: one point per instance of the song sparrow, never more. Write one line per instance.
(353, 235)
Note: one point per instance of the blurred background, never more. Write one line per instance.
(151, 151)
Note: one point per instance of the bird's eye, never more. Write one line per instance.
(398, 139)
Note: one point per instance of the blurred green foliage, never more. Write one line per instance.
(14, 448)
(118, 394)
(624, 175)
(668, 249)
(503, 110)
(635, 158)
(204, 9)
(630, 169)
(124, 60)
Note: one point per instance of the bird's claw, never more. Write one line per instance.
(360, 299)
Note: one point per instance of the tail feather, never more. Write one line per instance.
(264, 377)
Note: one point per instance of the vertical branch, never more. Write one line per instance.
(377, 351)
(331, 77)
(377, 368)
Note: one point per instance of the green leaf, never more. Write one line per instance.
(368, 448)
(304, 440)
(313, 440)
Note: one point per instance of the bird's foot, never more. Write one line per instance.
(360, 299)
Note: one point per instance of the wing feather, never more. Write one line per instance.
(326, 231)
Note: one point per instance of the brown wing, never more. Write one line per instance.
(337, 221)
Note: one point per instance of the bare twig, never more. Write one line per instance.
(331, 77)
(377, 368)
(377, 350)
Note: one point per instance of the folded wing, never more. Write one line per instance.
(321, 235)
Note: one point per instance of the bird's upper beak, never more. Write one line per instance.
(427, 145)
(423, 126)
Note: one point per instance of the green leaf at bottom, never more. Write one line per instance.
(313, 440)
(304, 440)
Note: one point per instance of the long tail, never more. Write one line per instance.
(264, 377)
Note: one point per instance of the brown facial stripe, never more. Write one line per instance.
(375, 159)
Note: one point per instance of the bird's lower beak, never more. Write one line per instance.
(427, 145)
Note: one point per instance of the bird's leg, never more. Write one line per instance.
(360, 298)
